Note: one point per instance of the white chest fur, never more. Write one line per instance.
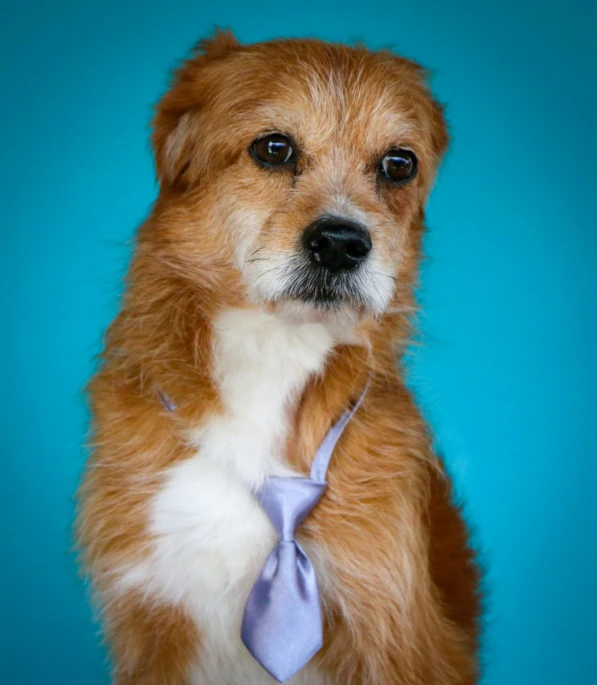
(211, 536)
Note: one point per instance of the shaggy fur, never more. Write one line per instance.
(171, 535)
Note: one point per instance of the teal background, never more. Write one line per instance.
(506, 371)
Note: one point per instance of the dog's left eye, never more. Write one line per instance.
(399, 166)
(272, 150)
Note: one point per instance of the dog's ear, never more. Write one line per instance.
(175, 124)
(439, 128)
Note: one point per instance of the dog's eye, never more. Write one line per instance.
(272, 150)
(399, 166)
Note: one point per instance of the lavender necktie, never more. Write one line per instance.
(282, 625)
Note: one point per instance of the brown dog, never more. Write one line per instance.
(273, 277)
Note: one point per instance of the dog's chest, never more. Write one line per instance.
(211, 535)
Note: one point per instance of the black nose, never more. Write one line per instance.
(336, 244)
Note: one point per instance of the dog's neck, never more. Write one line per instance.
(261, 366)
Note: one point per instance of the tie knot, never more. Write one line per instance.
(287, 501)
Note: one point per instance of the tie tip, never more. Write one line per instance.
(282, 673)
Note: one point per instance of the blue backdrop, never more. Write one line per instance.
(506, 372)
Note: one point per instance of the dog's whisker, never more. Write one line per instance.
(264, 273)
(378, 272)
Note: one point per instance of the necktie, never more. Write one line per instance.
(282, 624)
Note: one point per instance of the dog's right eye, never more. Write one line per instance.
(272, 150)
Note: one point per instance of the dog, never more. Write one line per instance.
(270, 288)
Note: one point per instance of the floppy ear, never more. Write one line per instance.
(175, 123)
(439, 128)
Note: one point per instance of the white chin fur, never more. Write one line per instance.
(297, 312)
(268, 280)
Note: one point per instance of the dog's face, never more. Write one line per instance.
(305, 167)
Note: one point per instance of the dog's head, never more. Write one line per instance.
(303, 167)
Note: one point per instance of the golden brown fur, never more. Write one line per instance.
(408, 608)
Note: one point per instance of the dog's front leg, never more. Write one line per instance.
(151, 644)
(401, 585)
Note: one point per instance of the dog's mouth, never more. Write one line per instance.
(299, 285)
(326, 290)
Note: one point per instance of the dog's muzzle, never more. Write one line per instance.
(328, 269)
